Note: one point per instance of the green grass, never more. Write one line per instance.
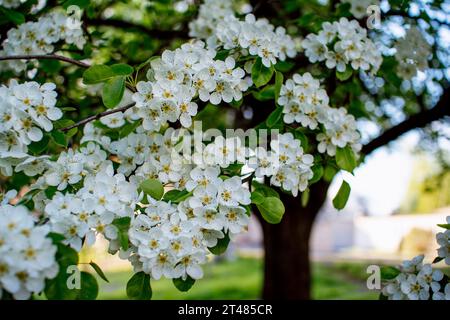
(242, 279)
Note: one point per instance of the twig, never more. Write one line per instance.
(98, 116)
(46, 57)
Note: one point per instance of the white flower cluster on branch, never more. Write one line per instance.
(305, 103)
(419, 281)
(11, 4)
(218, 25)
(91, 211)
(25, 111)
(359, 7)
(210, 13)
(172, 240)
(41, 37)
(412, 53)
(180, 76)
(343, 43)
(27, 256)
(443, 240)
(286, 164)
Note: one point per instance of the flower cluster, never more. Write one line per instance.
(180, 76)
(342, 43)
(40, 37)
(443, 240)
(412, 53)
(286, 164)
(104, 197)
(27, 256)
(11, 4)
(172, 240)
(358, 8)
(304, 102)
(256, 37)
(417, 281)
(25, 110)
(210, 13)
(148, 155)
(219, 26)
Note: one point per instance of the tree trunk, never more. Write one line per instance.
(287, 273)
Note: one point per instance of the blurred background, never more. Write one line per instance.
(399, 195)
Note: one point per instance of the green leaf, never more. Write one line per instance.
(113, 91)
(271, 209)
(59, 138)
(236, 104)
(389, 273)
(329, 173)
(176, 196)
(183, 285)
(50, 66)
(99, 271)
(55, 237)
(221, 246)
(66, 256)
(279, 78)
(265, 94)
(284, 66)
(13, 16)
(343, 76)
(98, 74)
(318, 172)
(89, 287)
(39, 147)
(71, 132)
(79, 3)
(138, 287)
(122, 69)
(299, 135)
(306, 19)
(123, 225)
(50, 192)
(56, 288)
(382, 296)
(274, 117)
(257, 197)
(265, 190)
(128, 128)
(342, 196)
(446, 226)
(153, 188)
(345, 159)
(261, 75)
(437, 259)
(62, 123)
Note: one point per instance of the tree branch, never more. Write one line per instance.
(56, 57)
(46, 57)
(418, 120)
(159, 34)
(98, 116)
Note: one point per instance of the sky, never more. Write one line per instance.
(383, 179)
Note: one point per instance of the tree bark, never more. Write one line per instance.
(287, 272)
